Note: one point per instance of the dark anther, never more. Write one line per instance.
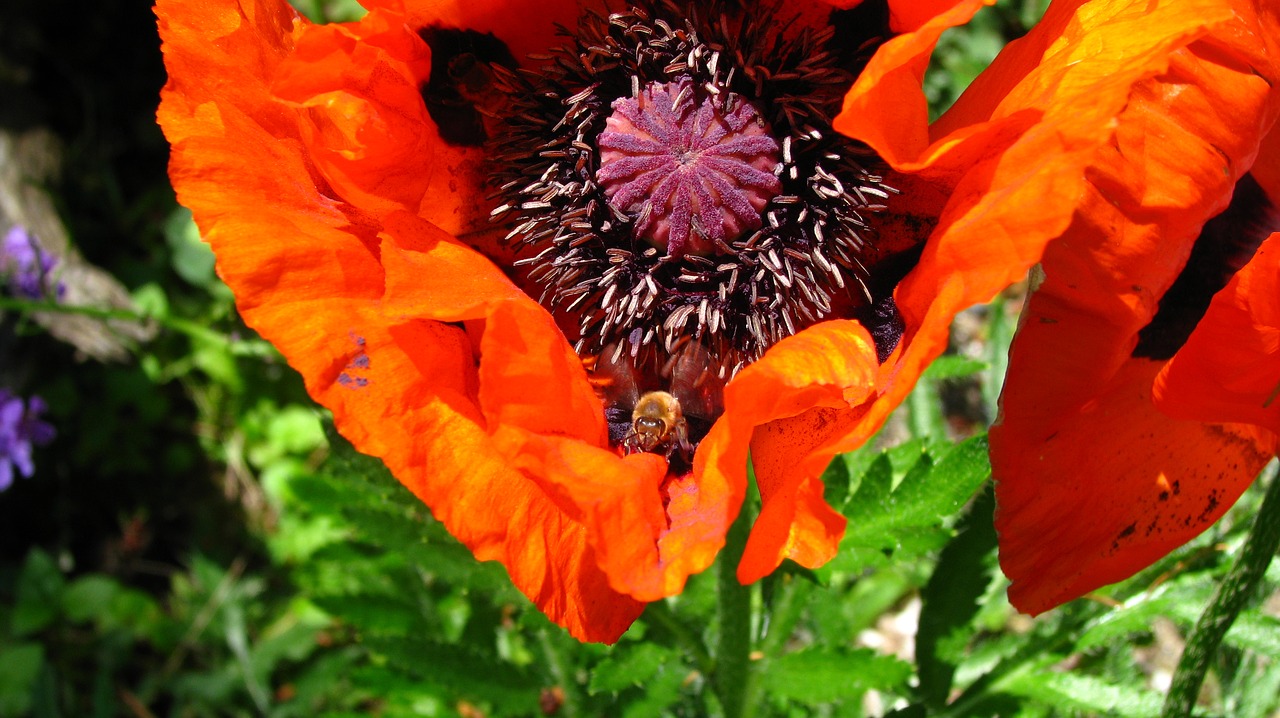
(460, 93)
(1226, 244)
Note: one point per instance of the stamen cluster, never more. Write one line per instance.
(759, 233)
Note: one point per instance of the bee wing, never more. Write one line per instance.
(614, 378)
(695, 383)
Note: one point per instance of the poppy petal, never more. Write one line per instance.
(1229, 369)
(886, 107)
(525, 26)
(830, 366)
(907, 15)
(1092, 482)
(651, 553)
(361, 111)
(423, 350)
(1000, 190)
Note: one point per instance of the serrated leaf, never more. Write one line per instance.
(908, 520)
(954, 479)
(950, 599)
(818, 676)
(461, 672)
(1256, 632)
(629, 665)
(1085, 693)
(373, 614)
(1181, 600)
(661, 692)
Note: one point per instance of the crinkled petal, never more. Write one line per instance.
(831, 366)
(361, 113)
(886, 107)
(428, 356)
(996, 186)
(1093, 483)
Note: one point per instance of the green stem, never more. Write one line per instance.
(732, 678)
(183, 326)
(1236, 590)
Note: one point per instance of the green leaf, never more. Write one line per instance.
(190, 256)
(953, 366)
(1084, 693)
(817, 676)
(1256, 632)
(661, 692)
(214, 357)
(40, 587)
(629, 665)
(374, 614)
(21, 667)
(151, 300)
(909, 520)
(462, 672)
(89, 598)
(950, 599)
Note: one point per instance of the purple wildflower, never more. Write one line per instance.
(20, 429)
(28, 266)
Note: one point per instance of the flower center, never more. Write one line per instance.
(694, 175)
(672, 187)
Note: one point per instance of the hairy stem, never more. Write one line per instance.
(732, 678)
(1235, 592)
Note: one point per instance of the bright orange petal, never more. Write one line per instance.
(906, 15)
(361, 114)
(886, 107)
(1111, 490)
(996, 191)
(428, 356)
(1229, 369)
(1092, 482)
(831, 365)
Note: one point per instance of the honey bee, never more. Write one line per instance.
(657, 425)
(676, 407)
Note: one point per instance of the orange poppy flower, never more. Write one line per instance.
(1141, 396)
(346, 174)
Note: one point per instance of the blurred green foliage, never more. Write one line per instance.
(198, 543)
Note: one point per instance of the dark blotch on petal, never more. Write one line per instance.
(882, 320)
(1226, 244)
(858, 32)
(460, 84)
